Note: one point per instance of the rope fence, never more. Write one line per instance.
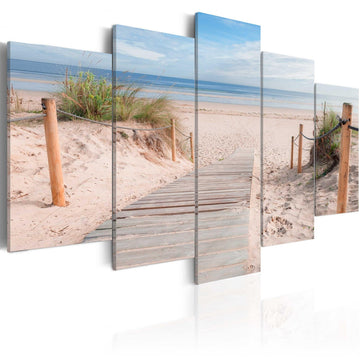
(344, 123)
(353, 128)
(50, 116)
(172, 126)
(110, 125)
(31, 117)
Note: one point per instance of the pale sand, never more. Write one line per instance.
(86, 151)
(327, 186)
(288, 196)
(86, 160)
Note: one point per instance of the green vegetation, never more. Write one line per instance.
(327, 148)
(86, 96)
(16, 103)
(90, 97)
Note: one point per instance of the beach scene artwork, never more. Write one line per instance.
(287, 109)
(154, 131)
(59, 165)
(330, 100)
(227, 149)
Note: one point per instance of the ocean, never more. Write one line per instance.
(47, 77)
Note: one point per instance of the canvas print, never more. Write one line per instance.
(59, 141)
(287, 109)
(336, 149)
(154, 192)
(228, 148)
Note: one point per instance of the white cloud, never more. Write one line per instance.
(137, 51)
(237, 63)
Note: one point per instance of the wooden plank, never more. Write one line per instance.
(222, 258)
(223, 272)
(179, 218)
(211, 246)
(182, 209)
(161, 239)
(127, 259)
(159, 205)
(150, 227)
(154, 241)
(160, 226)
(225, 258)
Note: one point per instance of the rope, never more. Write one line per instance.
(32, 117)
(106, 124)
(98, 122)
(341, 122)
(353, 128)
(186, 139)
(181, 132)
(323, 135)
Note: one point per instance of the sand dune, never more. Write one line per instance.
(86, 156)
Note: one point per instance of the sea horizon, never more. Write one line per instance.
(47, 77)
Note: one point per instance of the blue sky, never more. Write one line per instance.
(154, 53)
(283, 72)
(324, 89)
(228, 50)
(335, 96)
(58, 55)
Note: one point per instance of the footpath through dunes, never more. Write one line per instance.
(160, 226)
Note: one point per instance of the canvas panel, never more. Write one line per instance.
(154, 208)
(329, 100)
(57, 159)
(228, 148)
(288, 190)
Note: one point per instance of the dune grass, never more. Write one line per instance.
(16, 103)
(90, 97)
(87, 96)
(327, 148)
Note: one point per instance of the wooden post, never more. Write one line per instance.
(66, 79)
(344, 160)
(300, 149)
(173, 140)
(292, 153)
(53, 152)
(192, 147)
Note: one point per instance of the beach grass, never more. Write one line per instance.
(16, 103)
(86, 96)
(156, 112)
(91, 97)
(327, 148)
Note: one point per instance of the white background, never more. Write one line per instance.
(67, 303)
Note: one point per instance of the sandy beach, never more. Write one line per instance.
(86, 156)
(86, 162)
(327, 186)
(288, 196)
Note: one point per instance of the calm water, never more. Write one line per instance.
(35, 76)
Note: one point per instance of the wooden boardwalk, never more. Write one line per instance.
(223, 233)
(160, 227)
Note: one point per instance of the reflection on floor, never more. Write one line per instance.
(231, 319)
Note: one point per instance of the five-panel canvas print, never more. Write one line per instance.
(176, 148)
